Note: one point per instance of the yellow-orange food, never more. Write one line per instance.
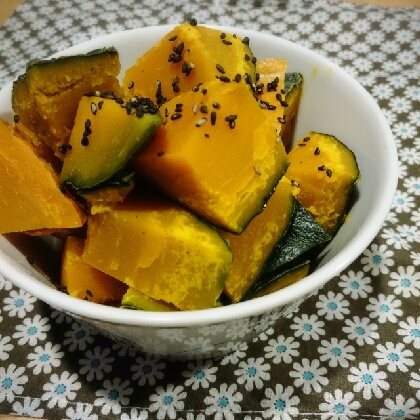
(84, 281)
(325, 171)
(161, 250)
(186, 57)
(30, 198)
(219, 156)
(252, 247)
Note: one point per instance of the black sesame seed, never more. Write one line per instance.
(89, 293)
(322, 168)
(231, 117)
(64, 147)
(216, 105)
(247, 57)
(203, 109)
(177, 59)
(224, 79)
(222, 35)
(131, 85)
(16, 118)
(246, 40)
(193, 22)
(100, 104)
(176, 117)
(305, 139)
(173, 38)
(178, 107)
(238, 78)
(213, 118)
(220, 68)
(317, 151)
(178, 50)
(204, 91)
(226, 42)
(329, 173)
(171, 57)
(85, 141)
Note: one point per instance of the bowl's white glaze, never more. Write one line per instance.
(332, 102)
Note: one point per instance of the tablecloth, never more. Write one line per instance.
(350, 351)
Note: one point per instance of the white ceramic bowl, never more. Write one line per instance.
(332, 102)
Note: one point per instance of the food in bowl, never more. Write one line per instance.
(179, 182)
(332, 102)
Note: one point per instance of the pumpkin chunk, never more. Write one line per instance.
(219, 156)
(326, 172)
(161, 250)
(84, 281)
(253, 246)
(104, 136)
(186, 57)
(46, 97)
(30, 198)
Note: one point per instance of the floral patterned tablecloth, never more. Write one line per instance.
(350, 351)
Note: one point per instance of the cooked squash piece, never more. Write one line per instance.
(84, 281)
(288, 277)
(326, 172)
(46, 97)
(133, 299)
(270, 90)
(293, 87)
(252, 247)
(218, 156)
(186, 57)
(30, 198)
(161, 250)
(105, 135)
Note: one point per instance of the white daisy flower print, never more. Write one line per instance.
(336, 352)
(96, 363)
(384, 308)
(308, 327)
(43, 359)
(80, 411)
(415, 256)
(223, 402)
(369, 380)
(357, 285)
(238, 329)
(406, 281)
(175, 335)
(135, 415)
(167, 401)
(410, 233)
(32, 330)
(79, 336)
(401, 408)
(339, 406)
(5, 347)
(233, 352)
(415, 383)
(112, 396)
(361, 330)
(382, 91)
(395, 239)
(28, 407)
(411, 156)
(412, 184)
(61, 389)
(332, 306)
(147, 369)
(410, 331)
(280, 404)
(377, 259)
(12, 380)
(252, 373)
(282, 349)
(309, 375)
(413, 118)
(19, 303)
(200, 374)
(395, 356)
(199, 344)
(5, 284)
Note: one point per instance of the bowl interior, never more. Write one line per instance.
(333, 103)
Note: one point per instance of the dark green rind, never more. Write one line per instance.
(303, 235)
(292, 80)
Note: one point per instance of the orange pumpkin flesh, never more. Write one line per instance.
(222, 170)
(26, 205)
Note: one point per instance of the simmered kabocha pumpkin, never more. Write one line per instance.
(83, 281)
(252, 247)
(325, 171)
(106, 132)
(46, 97)
(133, 299)
(159, 249)
(186, 57)
(30, 198)
(218, 154)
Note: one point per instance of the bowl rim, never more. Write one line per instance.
(361, 240)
